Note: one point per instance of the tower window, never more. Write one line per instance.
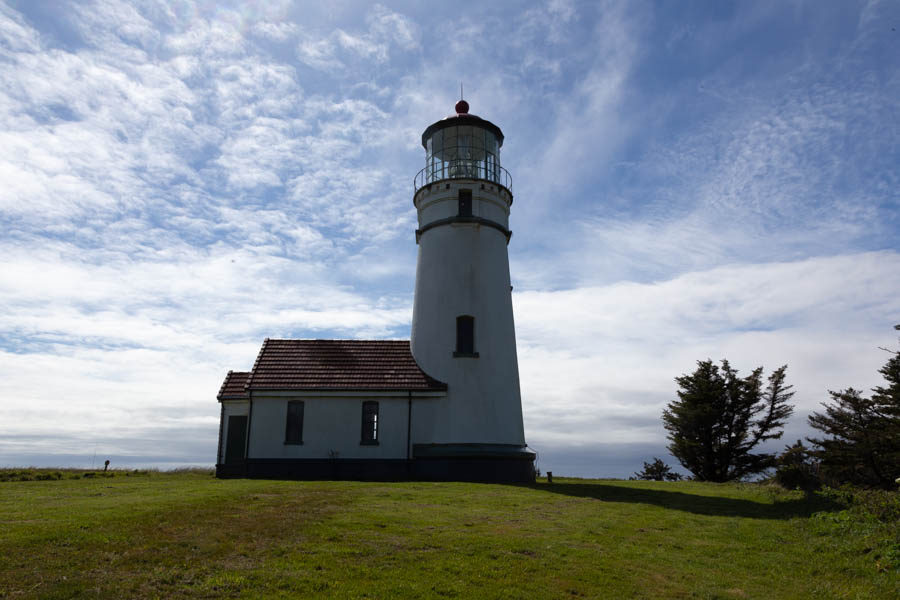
(465, 203)
(369, 423)
(294, 430)
(465, 336)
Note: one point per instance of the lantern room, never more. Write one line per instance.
(463, 146)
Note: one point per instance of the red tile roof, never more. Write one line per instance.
(233, 386)
(336, 365)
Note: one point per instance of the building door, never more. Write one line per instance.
(237, 439)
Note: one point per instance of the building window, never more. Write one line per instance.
(465, 336)
(465, 203)
(369, 423)
(293, 433)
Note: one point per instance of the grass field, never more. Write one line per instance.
(172, 535)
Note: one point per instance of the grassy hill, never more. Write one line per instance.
(171, 535)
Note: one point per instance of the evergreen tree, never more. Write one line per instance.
(720, 417)
(862, 443)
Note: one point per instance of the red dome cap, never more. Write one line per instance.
(462, 107)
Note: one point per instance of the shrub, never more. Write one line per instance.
(870, 514)
(867, 504)
(657, 471)
(797, 468)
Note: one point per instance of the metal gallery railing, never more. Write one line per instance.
(462, 169)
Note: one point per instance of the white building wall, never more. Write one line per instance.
(463, 269)
(235, 408)
(330, 424)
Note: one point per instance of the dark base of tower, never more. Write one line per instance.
(486, 468)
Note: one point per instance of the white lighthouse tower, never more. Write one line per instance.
(462, 329)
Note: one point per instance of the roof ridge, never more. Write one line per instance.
(232, 378)
(255, 364)
(224, 383)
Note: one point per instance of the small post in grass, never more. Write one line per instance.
(549, 476)
(106, 465)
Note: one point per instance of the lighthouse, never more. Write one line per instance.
(444, 405)
(463, 331)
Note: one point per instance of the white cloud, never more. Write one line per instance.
(278, 32)
(15, 36)
(593, 358)
(110, 23)
(121, 346)
(334, 52)
(319, 54)
(393, 27)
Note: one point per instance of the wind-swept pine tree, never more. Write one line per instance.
(862, 443)
(720, 417)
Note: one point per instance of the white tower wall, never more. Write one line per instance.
(463, 269)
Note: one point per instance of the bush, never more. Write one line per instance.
(870, 514)
(30, 475)
(867, 504)
(657, 471)
(797, 469)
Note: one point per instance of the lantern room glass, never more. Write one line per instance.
(462, 152)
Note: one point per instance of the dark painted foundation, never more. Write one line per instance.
(430, 464)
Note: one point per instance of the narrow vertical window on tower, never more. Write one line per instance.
(465, 336)
(369, 423)
(465, 203)
(294, 430)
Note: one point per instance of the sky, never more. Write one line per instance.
(693, 180)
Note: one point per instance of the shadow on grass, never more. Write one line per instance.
(716, 506)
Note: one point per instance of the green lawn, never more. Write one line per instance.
(189, 535)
